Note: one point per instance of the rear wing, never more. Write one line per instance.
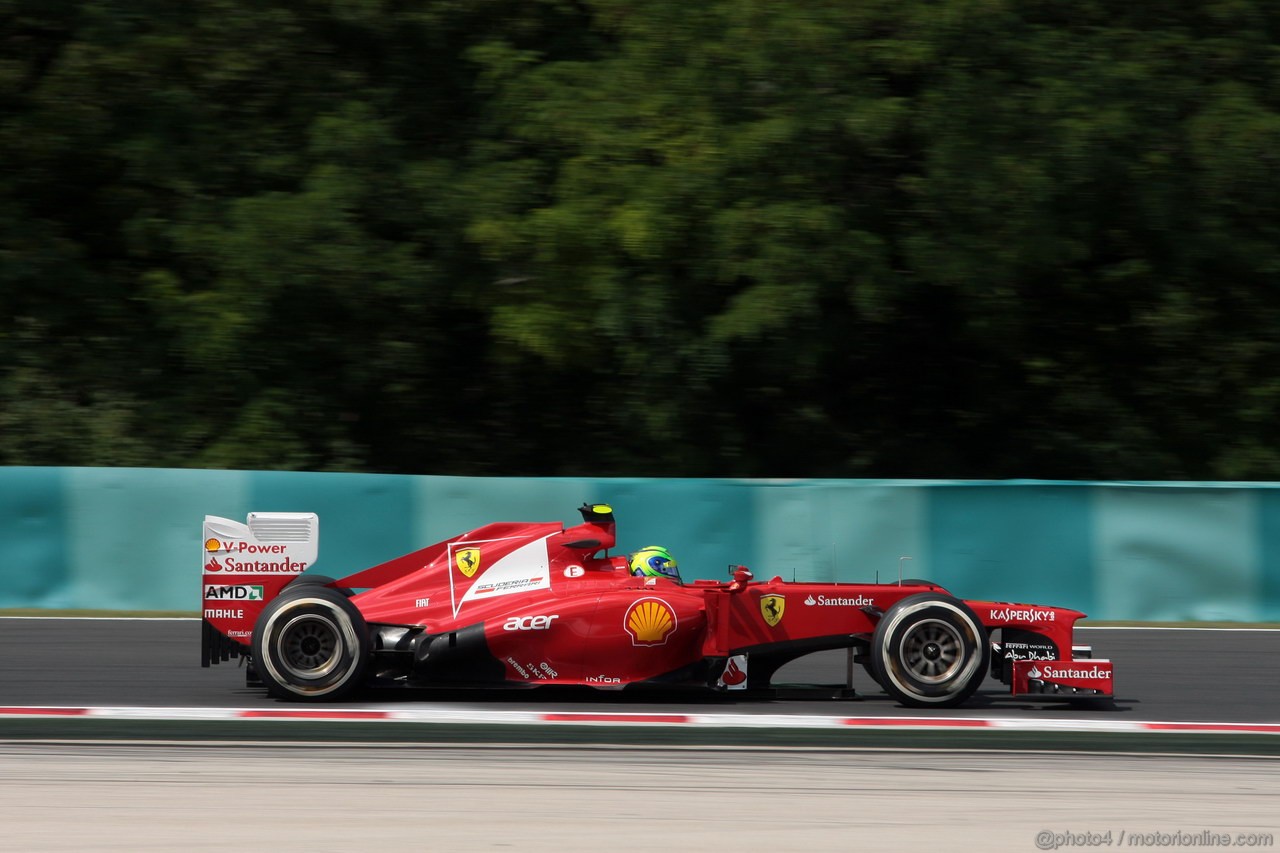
(243, 567)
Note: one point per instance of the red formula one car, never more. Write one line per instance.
(532, 604)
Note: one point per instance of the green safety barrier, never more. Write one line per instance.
(129, 538)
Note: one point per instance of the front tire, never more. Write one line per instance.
(930, 651)
(310, 644)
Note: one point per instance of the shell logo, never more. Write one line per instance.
(212, 545)
(650, 621)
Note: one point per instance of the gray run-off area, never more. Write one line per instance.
(138, 797)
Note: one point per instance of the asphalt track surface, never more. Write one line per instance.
(127, 795)
(158, 797)
(1195, 675)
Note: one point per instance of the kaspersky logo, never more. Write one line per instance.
(1023, 614)
(650, 622)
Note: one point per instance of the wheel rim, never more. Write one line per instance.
(309, 647)
(932, 651)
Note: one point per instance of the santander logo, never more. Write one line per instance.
(234, 565)
(1073, 672)
(733, 674)
(1051, 672)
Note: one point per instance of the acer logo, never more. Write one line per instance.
(529, 623)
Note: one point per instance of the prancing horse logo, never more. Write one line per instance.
(468, 560)
(772, 607)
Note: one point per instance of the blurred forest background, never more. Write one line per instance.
(873, 238)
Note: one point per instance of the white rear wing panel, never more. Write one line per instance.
(269, 543)
(243, 567)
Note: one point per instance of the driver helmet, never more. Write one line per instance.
(654, 561)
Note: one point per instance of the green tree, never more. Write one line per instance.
(967, 238)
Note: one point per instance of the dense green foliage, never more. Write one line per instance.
(888, 238)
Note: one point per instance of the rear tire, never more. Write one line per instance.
(318, 580)
(310, 644)
(930, 651)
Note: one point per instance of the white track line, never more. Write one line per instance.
(435, 716)
(106, 618)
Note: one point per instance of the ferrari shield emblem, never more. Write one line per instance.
(772, 607)
(468, 560)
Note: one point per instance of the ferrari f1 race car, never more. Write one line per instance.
(531, 604)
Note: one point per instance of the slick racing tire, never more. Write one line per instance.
(866, 664)
(930, 651)
(871, 672)
(318, 580)
(310, 644)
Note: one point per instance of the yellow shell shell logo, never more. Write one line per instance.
(468, 561)
(649, 622)
(212, 545)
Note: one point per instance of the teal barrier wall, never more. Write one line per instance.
(122, 538)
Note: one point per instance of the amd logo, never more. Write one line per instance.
(235, 592)
(529, 623)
